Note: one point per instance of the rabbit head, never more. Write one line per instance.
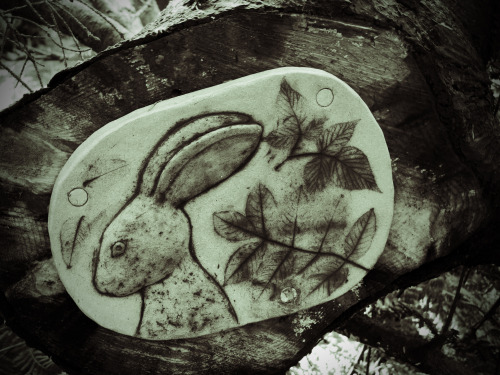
(150, 236)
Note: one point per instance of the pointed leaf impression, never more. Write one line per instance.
(233, 226)
(333, 140)
(333, 161)
(352, 170)
(259, 200)
(269, 256)
(332, 274)
(244, 263)
(360, 237)
(289, 129)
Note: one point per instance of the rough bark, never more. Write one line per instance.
(414, 64)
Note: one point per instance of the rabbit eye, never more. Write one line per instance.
(118, 249)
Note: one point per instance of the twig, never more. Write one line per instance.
(79, 50)
(143, 8)
(368, 359)
(428, 323)
(89, 33)
(22, 70)
(37, 13)
(359, 359)
(22, 46)
(31, 58)
(11, 347)
(19, 7)
(486, 316)
(463, 278)
(51, 10)
(103, 16)
(41, 360)
(2, 43)
(15, 76)
(21, 18)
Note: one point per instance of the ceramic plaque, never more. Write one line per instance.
(242, 202)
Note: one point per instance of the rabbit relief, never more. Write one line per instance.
(210, 211)
(147, 246)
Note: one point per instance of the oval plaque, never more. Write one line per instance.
(234, 204)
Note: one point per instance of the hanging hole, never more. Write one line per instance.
(78, 197)
(324, 97)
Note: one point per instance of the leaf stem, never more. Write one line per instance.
(294, 248)
(319, 249)
(303, 155)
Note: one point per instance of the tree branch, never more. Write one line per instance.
(404, 346)
(489, 314)
(463, 278)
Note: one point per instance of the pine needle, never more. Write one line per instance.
(85, 28)
(65, 60)
(79, 50)
(22, 70)
(19, 79)
(33, 9)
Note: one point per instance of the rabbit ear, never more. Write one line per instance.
(178, 138)
(205, 162)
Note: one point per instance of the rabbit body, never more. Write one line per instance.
(195, 305)
(147, 246)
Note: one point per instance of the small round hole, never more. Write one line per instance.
(324, 97)
(78, 197)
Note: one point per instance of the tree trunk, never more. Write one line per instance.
(414, 63)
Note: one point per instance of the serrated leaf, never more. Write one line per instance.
(276, 265)
(326, 265)
(316, 257)
(233, 226)
(244, 263)
(259, 200)
(283, 137)
(291, 96)
(351, 170)
(332, 140)
(330, 273)
(360, 237)
(314, 129)
(290, 104)
(318, 172)
(328, 283)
